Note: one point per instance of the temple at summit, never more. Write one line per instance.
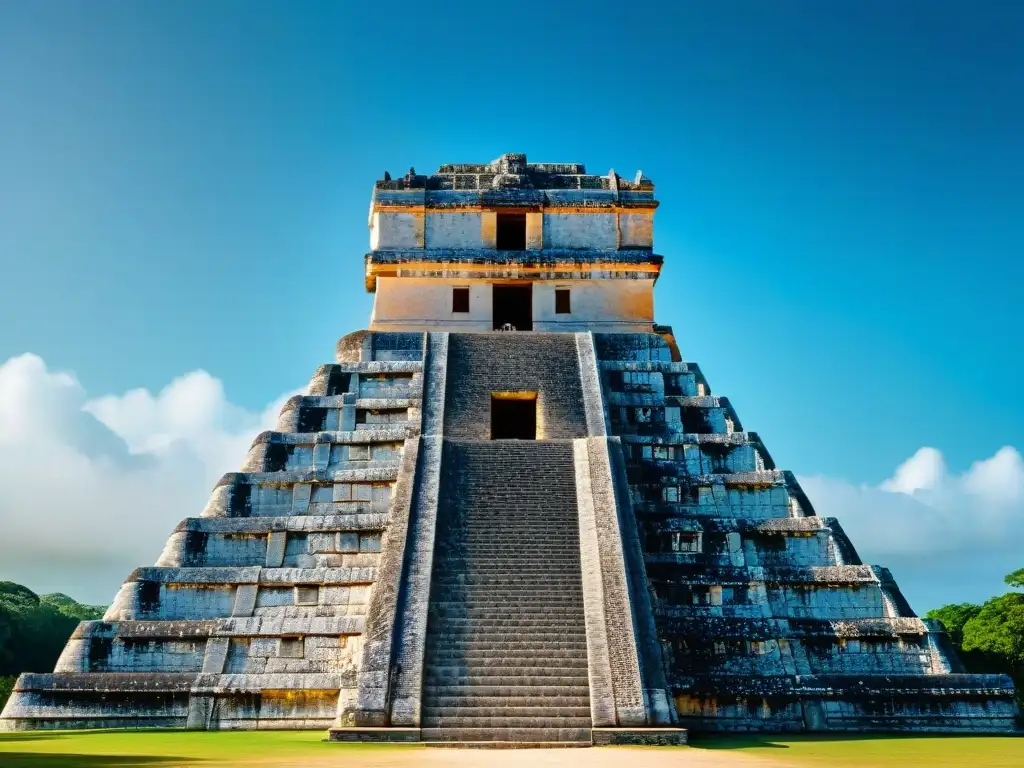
(509, 511)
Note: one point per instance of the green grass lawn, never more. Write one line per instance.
(92, 749)
(170, 749)
(877, 751)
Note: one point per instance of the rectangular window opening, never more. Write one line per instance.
(562, 306)
(514, 416)
(460, 299)
(511, 234)
(307, 595)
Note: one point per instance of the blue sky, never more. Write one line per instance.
(184, 186)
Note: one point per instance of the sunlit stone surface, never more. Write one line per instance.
(388, 564)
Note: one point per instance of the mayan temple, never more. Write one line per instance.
(510, 512)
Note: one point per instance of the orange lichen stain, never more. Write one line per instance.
(687, 704)
(211, 587)
(272, 694)
(514, 395)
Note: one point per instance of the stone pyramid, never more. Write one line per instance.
(510, 511)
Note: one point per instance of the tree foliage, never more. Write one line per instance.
(6, 686)
(1015, 579)
(953, 618)
(34, 629)
(999, 629)
(990, 637)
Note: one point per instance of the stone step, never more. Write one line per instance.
(458, 627)
(499, 640)
(508, 677)
(507, 744)
(531, 552)
(549, 586)
(566, 611)
(502, 628)
(488, 568)
(523, 616)
(519, 627)
(503, 646)
(482, 664)
(503, 721)
(507, 691)
(554, 561)
(488, 576)
(508, 603)
(440, 653)
(530, 701)
(536, 530)
(533, 613)
(499, 517)
(554, 540)
(498, 667)
(556, 566)
(490, 573)
(543, 531)
(499, 735)
(527, 537)
(497, 541)
(513, 578)
(503, 709)
(572, 594)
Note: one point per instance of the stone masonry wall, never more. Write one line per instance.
(500, 362)
(767, 618)
(253, 616)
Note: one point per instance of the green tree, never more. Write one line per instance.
(33, 630)
(998, 630)
(6, 686)
(1015, 579)
(990, 637)
(953, 618)
(70, 607)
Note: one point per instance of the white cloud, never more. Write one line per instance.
(937, 530)
(925, 469)
(925, 508)
(90, 489)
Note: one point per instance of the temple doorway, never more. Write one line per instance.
(513, 306)
(514, 416)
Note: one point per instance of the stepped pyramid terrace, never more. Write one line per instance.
(511, 512)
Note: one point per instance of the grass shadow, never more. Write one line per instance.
(61, 735)
(724, 741)
(43, 760)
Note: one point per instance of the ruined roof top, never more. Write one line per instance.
(511, 171)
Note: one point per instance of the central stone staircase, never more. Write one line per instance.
(506, 654)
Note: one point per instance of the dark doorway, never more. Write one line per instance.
(513, 305)
(511, 234)
(513, 417)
